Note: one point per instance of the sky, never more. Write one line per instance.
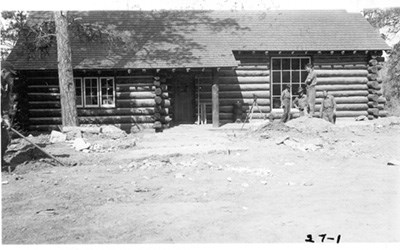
(349, 5)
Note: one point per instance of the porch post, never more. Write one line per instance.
(215, 99)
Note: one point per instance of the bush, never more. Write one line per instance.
(391, 81)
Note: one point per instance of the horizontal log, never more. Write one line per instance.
(94, 120)
(373, 69)
(135, 88)
(164, 119)
(335, 87)
(44, 96)
(135, 95)
(253, 67)
(43, 89)
(44, 104)
(245, 108)
(341, 66)
(373, 62)
(381, 107)
(341, 73)
(350, 99)
(124, 126)
(237, 94)
(243, 87)
(374, 85)
(372, 77)
(243, 80)
(158, 91)
(345, 93)
(342, 80)
(383, 113)
(140, 103)
(373, 111)
(381, 99)
(348, 106)
(372, 104)
(373, 97)
(224, 102)
(158, 100)
(354, 113)
(373, 91)
(134, 80)
(252, 72)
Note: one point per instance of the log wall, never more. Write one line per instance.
(345, 77)
(135, 102)
(353, 81)
(237, 85)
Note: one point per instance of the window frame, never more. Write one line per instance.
(101, 92)
(281, 75)
(98, 93)
(82, 93)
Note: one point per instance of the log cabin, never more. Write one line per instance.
(205, 66)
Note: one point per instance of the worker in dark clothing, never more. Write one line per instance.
(311, 82)
(7, 80)
(328, 107)
(301, 102)
(285, 103)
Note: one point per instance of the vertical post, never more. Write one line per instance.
(215, 99)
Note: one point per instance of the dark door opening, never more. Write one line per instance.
(183, 99)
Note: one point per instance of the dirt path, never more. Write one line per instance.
(192, 185)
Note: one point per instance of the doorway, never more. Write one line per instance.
(183, 87)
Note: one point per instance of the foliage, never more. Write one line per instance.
(14, 21)
(391, 80)
(388, 20)
(381, 18)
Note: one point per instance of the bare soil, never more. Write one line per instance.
(195, 184)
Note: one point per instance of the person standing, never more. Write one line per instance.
(7, 80)
(328, 107)
(310, 82)
(301, 102)
(285, 103)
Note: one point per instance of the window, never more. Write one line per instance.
(287, 70)
(78, 92)
(94, 92)
(91, 92)
(107, 92)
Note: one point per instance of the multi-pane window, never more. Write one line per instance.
(107, 91)
(79, 94)
(95, 92)
(91, 92)
(287, 70)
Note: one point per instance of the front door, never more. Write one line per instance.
(183, 99)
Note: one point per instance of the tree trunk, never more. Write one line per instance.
(65, 75)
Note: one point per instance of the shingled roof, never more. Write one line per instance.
(173, 39)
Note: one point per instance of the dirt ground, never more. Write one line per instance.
(195, 184)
